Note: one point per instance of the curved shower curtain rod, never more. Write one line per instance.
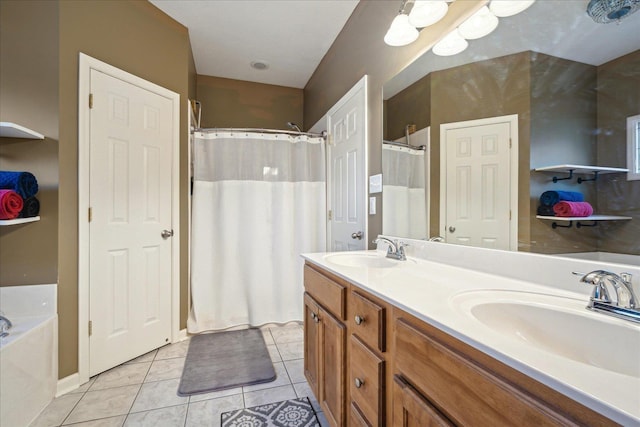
(404, 145)
(322, 134)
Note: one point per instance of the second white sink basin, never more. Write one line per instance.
(368, 260)
(557, 325)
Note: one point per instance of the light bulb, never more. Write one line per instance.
(400, 32)
(504, 8)
(427, 12)
(479, 24)
(452, 44)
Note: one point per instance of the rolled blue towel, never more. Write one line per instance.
(23, 183)
(550, 198)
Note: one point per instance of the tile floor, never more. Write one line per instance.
(142, 392)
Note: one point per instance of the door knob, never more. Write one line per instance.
(357, 235)
(452, 229)
(166, 234)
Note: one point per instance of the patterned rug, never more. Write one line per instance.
(288, 413)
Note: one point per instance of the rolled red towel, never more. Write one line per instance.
(579, 209)
(10, 204)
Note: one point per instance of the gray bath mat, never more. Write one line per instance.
(225, 360)
(289, 413)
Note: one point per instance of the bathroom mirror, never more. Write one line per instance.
(568, 84)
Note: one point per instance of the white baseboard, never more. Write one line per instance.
(67, 384)
(182, 335)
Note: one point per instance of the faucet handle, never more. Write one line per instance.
(626, 278)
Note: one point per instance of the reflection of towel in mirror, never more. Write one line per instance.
(31, 208)
(10, 204)
(580, 209)
(23, 183)
(550, 198)
(546, 210)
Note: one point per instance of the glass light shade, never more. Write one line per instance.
(479, 24)
(452, 44)
(504, 8)
(427, 12)
(400, 32)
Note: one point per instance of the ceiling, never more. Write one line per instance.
(291, 36)
(558, 28)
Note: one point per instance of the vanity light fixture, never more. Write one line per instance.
(401, 32)
(427, 12)
(504, 8)
(452, 44)
(480, 24)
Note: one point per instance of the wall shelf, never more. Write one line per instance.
(579, 220)
(580, 169)
(12, 130)
(19, 220)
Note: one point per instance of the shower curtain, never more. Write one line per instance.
(403, 192)
(258, 203)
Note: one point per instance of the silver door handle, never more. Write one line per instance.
(452, 229)
(357, 235)
(166, 234)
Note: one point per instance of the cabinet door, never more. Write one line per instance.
(311, 342)
(332, 368)
(410, 409)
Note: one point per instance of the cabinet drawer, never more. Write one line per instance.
(367, 382)
(410, 409)
(330, 294)
(368, 319)
(356, 419)
(464, 391)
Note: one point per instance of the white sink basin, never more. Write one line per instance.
(557, 325)
(368, 260)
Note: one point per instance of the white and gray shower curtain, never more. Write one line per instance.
(258, 203)
(403, 192)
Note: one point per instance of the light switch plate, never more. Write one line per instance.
(375, 184)
(372, 205)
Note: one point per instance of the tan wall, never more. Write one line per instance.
(618, 98)
(409, 106)
(138, 38)
(359, 49)
(29, 97)
(563, 123)
(237, 103)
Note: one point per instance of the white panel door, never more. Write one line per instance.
(347, 172)
(130, 199)
(478, 186)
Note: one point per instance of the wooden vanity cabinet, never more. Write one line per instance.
(369, 363)
(457, 384)
(325, 343)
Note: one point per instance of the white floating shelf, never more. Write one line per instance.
(585, 218)
(19, 220)
(581, 169)
(12, 130)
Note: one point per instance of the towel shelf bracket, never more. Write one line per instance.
(556, 225)
(556, 179)
(582, 224)
(595, 178)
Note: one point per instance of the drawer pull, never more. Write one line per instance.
(315, 317)
(359, 320)
(359, 382)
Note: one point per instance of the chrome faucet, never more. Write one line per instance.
(395, 249)
(626, 302)
(5, 325)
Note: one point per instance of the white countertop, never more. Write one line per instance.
(432, 291)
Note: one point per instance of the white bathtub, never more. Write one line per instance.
(29, 354)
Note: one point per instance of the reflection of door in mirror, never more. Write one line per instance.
(404, 193)
(477, 172)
